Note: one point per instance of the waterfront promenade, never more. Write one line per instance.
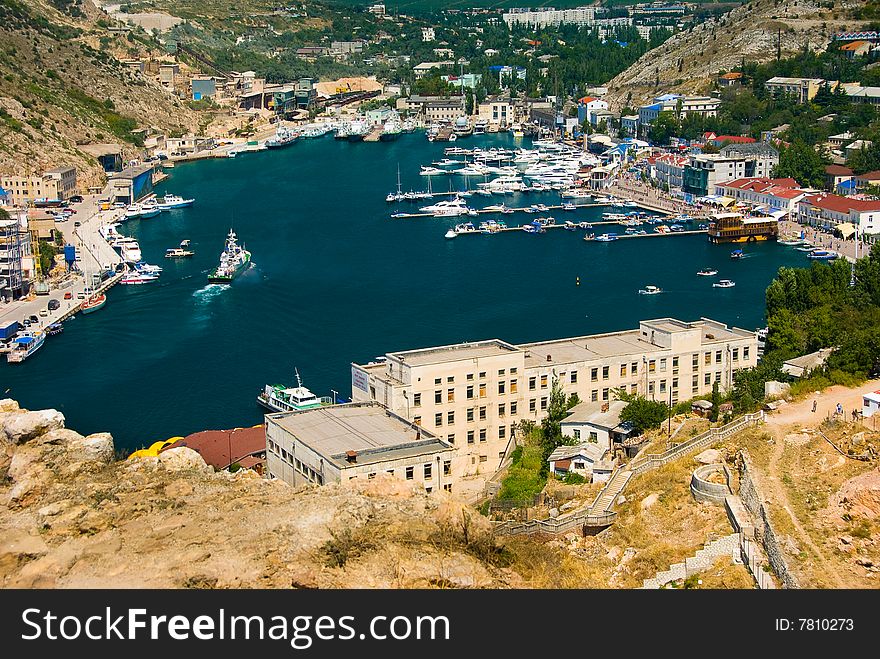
(652, 198)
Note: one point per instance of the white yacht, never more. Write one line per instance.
(130, 249)
(150, 208)
(133, 211)
(447, 208)
(171, 201)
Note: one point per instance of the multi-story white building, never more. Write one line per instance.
(776, 194)
(846, 214)
(551, 17)
(669, 170)
(735, 161)
(53, 185)
(341, 443)
(801, 90)
(474, 395)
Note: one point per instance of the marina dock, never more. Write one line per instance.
(621, 236)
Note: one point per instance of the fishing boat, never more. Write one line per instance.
(234, 259)
(280, 398)
(149, 208)
(178, 253)
(650, 290)
(283, 137)
(54, 329)
(137, 278)
(822, 255)
(606, 237)
(24, 346)
(724, 283)
(708, 272)
(93, 303)
(171, 201)
(737, 254)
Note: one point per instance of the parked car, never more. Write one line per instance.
(33, 319)
(118, 204)
(80, 295)
(26, 322)
(76, 224)
(68, 295)
(53, 305)
(76, 199)
(44, 312)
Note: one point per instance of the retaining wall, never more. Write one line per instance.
(705, 491)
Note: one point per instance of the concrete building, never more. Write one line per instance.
(498, 110)
(732, 79)
(597, 422)
(475, 394)
(341, 443)
(588, 106)
(542, 18)
(835, 175)
(735, 161)
(428, 34)
(377, 10)
(859, 94)
(669, 170)
(131, 184)
(870, 404)
(203, 87)
(704, 106)
(52, 185)
(779, 194)
(466, 81)
(855, 49)
(447, 109)
(421, 70)
(580, 459)
(801, 90)
(630, 124)
(168, 74)
(849, 215)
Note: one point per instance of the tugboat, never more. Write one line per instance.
(279, 398)
(233, 261)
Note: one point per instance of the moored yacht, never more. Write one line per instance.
(24, 346)
(150, 208)
(280, 398)
(447, 208)
(171, 201)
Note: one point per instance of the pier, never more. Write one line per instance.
(621, 236)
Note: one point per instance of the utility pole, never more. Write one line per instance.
(778, 44)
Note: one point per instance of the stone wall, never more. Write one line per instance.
(704, 490)
(754, 501)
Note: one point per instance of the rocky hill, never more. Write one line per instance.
(62, 85)
(690, 60)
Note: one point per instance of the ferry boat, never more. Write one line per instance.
(737, 228)
(24, 346)
(708, 272)
(233, 261)
(650, 290)
(279, 398)
(54, 329)
(737, 254)
(283, 137)
(724, 283)
(93, 303)
(149, 208)
(137, 278)
(171, 201)
(178, 253)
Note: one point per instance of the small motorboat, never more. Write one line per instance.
(450, 234)
(569, 226)
(724, 283)
(466, 227)
(568, 206)
(54, 328)
(606, 237)
(590, 236)
(650, 290)
(178, 253)
(184, 243)
(822, 255)
(737, 254)
(585, 225)
(708, 272)
(432, 171)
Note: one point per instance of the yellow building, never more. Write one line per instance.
(474, 395)
(55, 184)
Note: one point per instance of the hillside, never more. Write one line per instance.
(62, 85)
(690, 60)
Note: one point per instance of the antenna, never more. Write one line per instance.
(299, 382)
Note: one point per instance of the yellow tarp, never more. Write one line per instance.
(154, 449)
(846, 229)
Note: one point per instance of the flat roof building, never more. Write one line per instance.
(474, 395)
(340, 443)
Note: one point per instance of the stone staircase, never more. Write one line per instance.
(728, 546)
(608, 496)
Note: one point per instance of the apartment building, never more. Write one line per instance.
(342, 443)
(777, 194)
(54, 184)
(474, 395)
(845, 214)
(497, 110)
(551, 17)
(802, 90)
(704, 106)
(736, 161)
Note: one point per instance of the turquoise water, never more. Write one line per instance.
(335, 280)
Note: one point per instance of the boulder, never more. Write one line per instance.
(21, 428)
(649, 500)
(182, 458)
(60, 436)
(8, 405)
(94, 448)
(709, 456)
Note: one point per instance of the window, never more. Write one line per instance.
(447, 467)
(409, 473)
(594, 374)
(695, 362)
(482, 390)
(707, 380)
(482, 375)
(623, 370)
(450, 395)
(447, 487)
(428, 490)
(662, 386)
(633, 388)
(513, 387)
(438, 396)
(651, 387)
(634, 368)
(652, 366)
(573, 377)
(470, 436)
(533, 405)
(501, 432)
(501, 387)
(675, 364)
(438, 419)
(605, 393)
(451, 438)
(718, 377)
(532, 381)
(470, 377)
(543, 382)
(745, 352)
(437, 380)
(736, 354)
(450, 379)
(417, 420)
(513, 408)
(605, 370)
(695, 383)
(482, 434)
(427, 471)
(483, 413)
(450, 418)
(576, 433)
(470, 414)
(674, 384)
(718, 357)
(513, 371)
(371, 476)
(544, 403)
(708, 358)
(594, 395)
(483, 458)
(594, 437)
(417, 400)
(501, 372)
(470, 391)
(501, 409)
(663, 364)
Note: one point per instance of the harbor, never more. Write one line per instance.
(333, 281)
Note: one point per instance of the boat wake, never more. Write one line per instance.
(206, 293)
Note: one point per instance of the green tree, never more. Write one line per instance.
(642, 414)
(468, 102)
(551, 427)
(664, 127)
(716, 399)
(802, 163)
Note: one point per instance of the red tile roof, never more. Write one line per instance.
(587, 99)
(735, 139)
(762, 185)
(733, 75)
(869, 176)
(838, 204)
(214, 445)
(838, 170)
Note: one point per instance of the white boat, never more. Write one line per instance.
(130, 249)
(447, 208)
(724, 283)
(650, 290)
(138, 278)
(150, 208)
(280, 398)
(611, 217)
(133, 211)
(450, 234)
(147, 269)
(432, 171)
(178, 253)
(606, 237)
(171, 201)
(467, 227)
(568, 206)
(24, 346)
(707, 272)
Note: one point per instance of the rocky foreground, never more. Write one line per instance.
(71, 516)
